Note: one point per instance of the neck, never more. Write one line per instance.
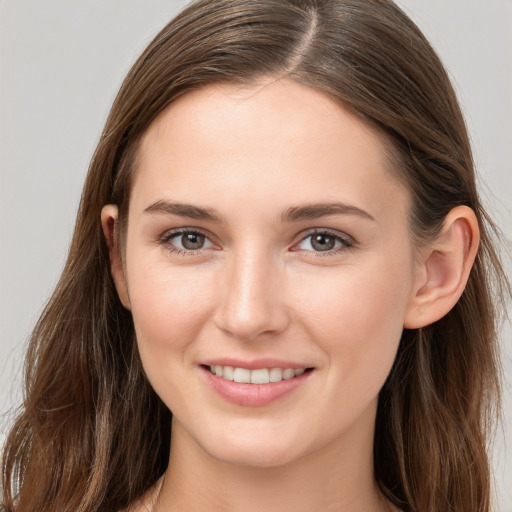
(336, 477)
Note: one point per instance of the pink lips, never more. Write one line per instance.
(253, 395)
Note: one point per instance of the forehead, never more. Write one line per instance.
(282, 108)
(273, 137)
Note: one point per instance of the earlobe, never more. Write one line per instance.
(109, 216)
(444, 269)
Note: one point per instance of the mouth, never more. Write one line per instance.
(263, 383)
(256, 375)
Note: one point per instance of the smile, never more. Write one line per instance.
(264, 382)
(255, 376)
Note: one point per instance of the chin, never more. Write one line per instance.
(263, 451)
(254, 457)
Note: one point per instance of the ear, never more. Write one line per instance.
(444, 268)
(109, 216)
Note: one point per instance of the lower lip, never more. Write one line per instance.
(253, 395)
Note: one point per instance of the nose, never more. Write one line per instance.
(251, 301)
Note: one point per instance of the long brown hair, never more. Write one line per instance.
(92, 434)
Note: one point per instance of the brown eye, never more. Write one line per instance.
(192, 241)
(322, 242)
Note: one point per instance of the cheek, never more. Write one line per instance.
(357, 317)
(168, 307)
(353, 301)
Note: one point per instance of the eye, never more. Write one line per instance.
(185, 240)
(323, 241)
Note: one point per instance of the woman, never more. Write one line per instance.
(280, 291)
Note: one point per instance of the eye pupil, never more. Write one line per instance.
(322, 242)
(192, 240)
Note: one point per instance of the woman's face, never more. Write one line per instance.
(267, 237)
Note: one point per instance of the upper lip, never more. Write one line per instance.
(255, 364)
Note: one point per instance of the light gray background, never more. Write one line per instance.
(61, 63)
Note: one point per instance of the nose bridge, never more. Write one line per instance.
(251, 304)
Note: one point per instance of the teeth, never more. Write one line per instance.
(228, 372)
(258, 376)
(288, 374)
(242, 375)
(276, 374)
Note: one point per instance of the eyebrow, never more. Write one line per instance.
(184, 210)
(293, 214)
(313, 211)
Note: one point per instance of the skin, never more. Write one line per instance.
(259, 288)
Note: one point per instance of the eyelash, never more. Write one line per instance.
(168, 236)
(345, 241)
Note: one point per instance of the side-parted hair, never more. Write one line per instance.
(92, 435)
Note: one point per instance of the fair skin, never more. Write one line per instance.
(292, 250)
